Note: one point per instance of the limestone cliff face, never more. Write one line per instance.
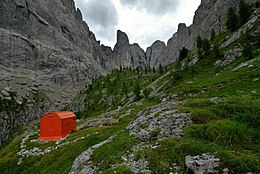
(45, 47)
(211, 14)
(47, 43)
(155, 54)
(126, 54)
(137, 55)
(49, 37)
(120, 53)
(179, 40)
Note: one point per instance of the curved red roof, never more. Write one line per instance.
(63, 114)
(56, 125)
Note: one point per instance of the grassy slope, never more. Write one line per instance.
(229, 128)
(61, 160)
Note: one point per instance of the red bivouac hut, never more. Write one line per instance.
(57, 125)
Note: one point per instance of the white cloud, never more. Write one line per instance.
(158, 7)
(101, 16)
(142, 24)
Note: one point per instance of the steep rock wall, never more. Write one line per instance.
(46, 47)
(127, 55)
(210, 15)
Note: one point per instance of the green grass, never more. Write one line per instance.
(245, 109)
(234, 120)
(174, 151)
(228, 129)
(61, 160)
(120, 169)
(241, 108)
(8, 156)
(201, 116)
(222, 132)
(111, 153)
(58, 161)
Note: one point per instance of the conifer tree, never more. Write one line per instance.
(248, 49)
(149, 69)
(199, 42)
(183, 53)
(206, 46)
(257, 4)
(137, 70)
(160, 69)
(125, 90)
(244, 12)
(154, 70)
(146, 70)
(217, 52)
(213, 34)
(165, 69)
(199, 46)
(137, 91)
(233, 20)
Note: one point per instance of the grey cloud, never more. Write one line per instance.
(101, 16)
(148, 39)
(107, 33)
(159, 7)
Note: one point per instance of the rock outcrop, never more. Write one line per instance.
(179, 40)
(43, 41)
(155, 54)
(201, 164)
(83, 164)
(159, 121)
(211, 15)
(16, 111)
(126, 54)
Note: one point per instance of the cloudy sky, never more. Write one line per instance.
(144, 21)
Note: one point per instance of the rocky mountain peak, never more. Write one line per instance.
(154, 53)
(70, 4)
(127, 55)
(208, 2)
(122, 39)
(79, 14)
(181, 27)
